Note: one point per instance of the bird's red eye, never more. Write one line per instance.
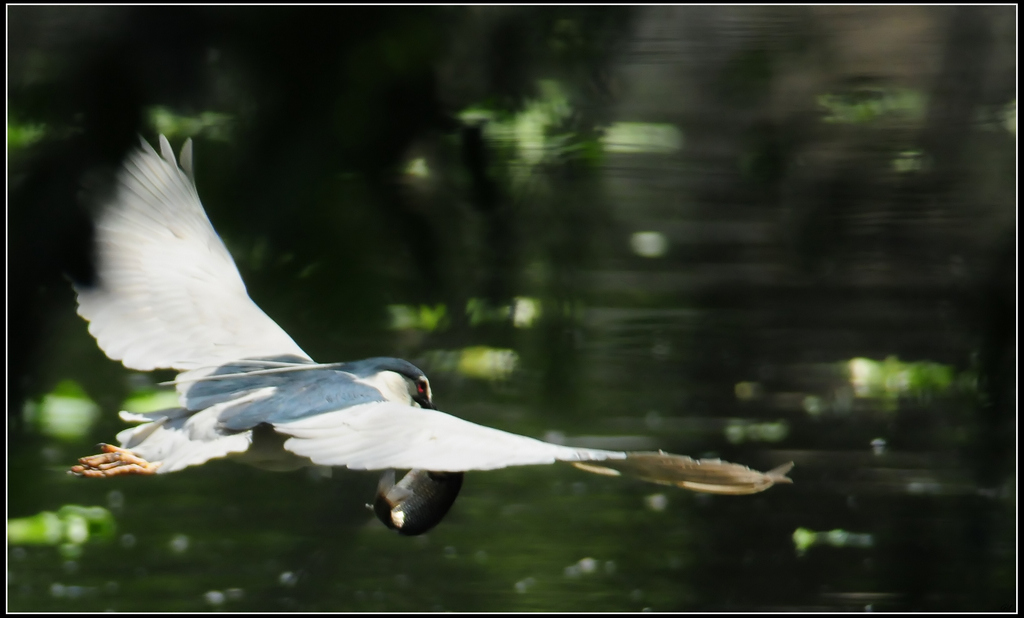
(421, 387)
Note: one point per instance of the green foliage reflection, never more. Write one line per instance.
(890, 379)
(869, 104)
(804, 539)
(71, 524)
(66, 413)
(22, 135)
(211, 125)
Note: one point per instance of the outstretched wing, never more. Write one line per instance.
(168, 294)
(378, 436)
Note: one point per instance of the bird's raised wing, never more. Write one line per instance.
(167, 293)
(378, 436)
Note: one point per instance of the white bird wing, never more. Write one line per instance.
(168, 294)
(378, 436)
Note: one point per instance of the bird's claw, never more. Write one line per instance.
(113, 461)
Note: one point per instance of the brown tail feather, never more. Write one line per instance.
(704, 475)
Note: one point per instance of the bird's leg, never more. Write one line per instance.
(113, 461)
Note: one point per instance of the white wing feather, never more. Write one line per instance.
(377, 436)
(168, 294)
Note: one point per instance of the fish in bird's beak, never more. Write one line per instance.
(418, 502)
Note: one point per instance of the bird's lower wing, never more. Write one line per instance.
(378, 436)
(389, 435)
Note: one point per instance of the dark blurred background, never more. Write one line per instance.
(760, 233)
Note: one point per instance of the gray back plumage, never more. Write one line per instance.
(295, 394)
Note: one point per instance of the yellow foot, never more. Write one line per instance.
(113, 461)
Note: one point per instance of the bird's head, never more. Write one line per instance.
(397, 379)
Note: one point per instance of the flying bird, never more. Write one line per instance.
(168, 295)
